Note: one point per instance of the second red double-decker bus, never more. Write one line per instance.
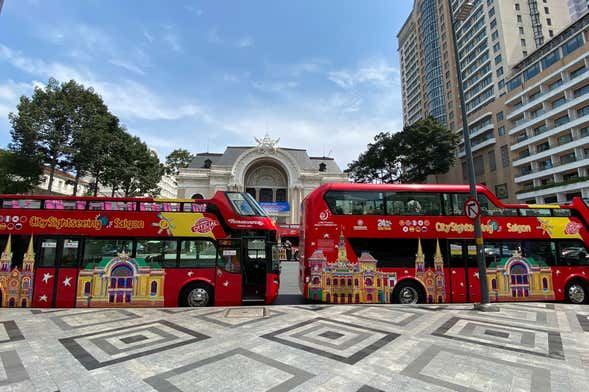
(366, 243)
(101, 252)
(288, 235)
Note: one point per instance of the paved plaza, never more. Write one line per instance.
(524, 347)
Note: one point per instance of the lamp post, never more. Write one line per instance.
(485, 304)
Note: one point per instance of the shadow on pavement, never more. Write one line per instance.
(289, 299)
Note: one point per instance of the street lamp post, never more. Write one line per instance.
(485, 304)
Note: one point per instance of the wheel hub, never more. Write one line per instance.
(576, 294)
(408, 295)
(198, 297)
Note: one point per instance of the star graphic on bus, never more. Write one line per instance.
(46, 277)
(67, 281)
(43, 298)
(165, 224)
(545, 226)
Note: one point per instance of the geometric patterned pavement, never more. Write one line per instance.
(524, 347)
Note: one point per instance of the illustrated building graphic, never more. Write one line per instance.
(121, 281)
(519, 278)
(346, 282)
(16, 286)
(433, 280)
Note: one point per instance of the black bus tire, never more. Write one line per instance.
(577, 292)
(408, 292)
(196, 294)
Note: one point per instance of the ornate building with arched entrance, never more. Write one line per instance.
(279, 178)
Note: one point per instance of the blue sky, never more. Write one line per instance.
(321, 75)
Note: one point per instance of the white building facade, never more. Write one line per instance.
(279, 178)
(549, 114)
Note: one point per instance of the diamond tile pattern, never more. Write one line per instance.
(524, 347)
(356, 342)
(98, 349)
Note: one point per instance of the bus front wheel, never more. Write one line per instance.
(408, 292)
(196, 295)
(577, 292)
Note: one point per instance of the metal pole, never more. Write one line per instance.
(485, 302)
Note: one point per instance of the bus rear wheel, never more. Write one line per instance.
(577, 292)
(408, 292)
(196, 294)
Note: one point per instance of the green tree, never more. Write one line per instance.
(424, 148)
(55, 124)
(18, 173)
(132, 167)
(90, 134)
(105, 142)
(176, 160)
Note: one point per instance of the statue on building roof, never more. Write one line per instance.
(267, 144)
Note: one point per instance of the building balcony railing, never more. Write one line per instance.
(523, 160)
(553, 188)
(552, 169)
(562, 108)
(476, 147)
(545, 96)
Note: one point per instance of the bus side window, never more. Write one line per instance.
(541, 251)
(229, 259)
(69, 253)
(95, 249)
(492, 251)
(573, 254)
(456, 257)
(48, 252)
(197, 253)
(162, 252)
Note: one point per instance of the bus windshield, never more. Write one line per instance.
(244, 204)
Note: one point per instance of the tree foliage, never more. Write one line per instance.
(67, 126)
(419, 150)
(176, 160)
(132, 167)
(18, 173)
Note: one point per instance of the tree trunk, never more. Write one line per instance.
(76, 181)
(96, 187)
(112, 193)
(51, 174)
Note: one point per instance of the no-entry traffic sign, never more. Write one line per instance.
(472, 208)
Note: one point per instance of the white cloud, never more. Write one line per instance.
(148, 36)
(127, 65)
(125, 97)
(346, 139)
(173, 42)
(213, 36)
(245, 42)
(57, 70)
(193, 9)
(274, 87)
(377, 73)
(310, 66)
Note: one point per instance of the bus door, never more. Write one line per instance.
(255, 266)
(228, 276)
(56, 274)
(463, 266)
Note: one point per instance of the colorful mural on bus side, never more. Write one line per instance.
(16, 286)
(344, 281)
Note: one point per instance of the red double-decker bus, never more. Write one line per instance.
(101, 252)
(366, 243)
(288, 235)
